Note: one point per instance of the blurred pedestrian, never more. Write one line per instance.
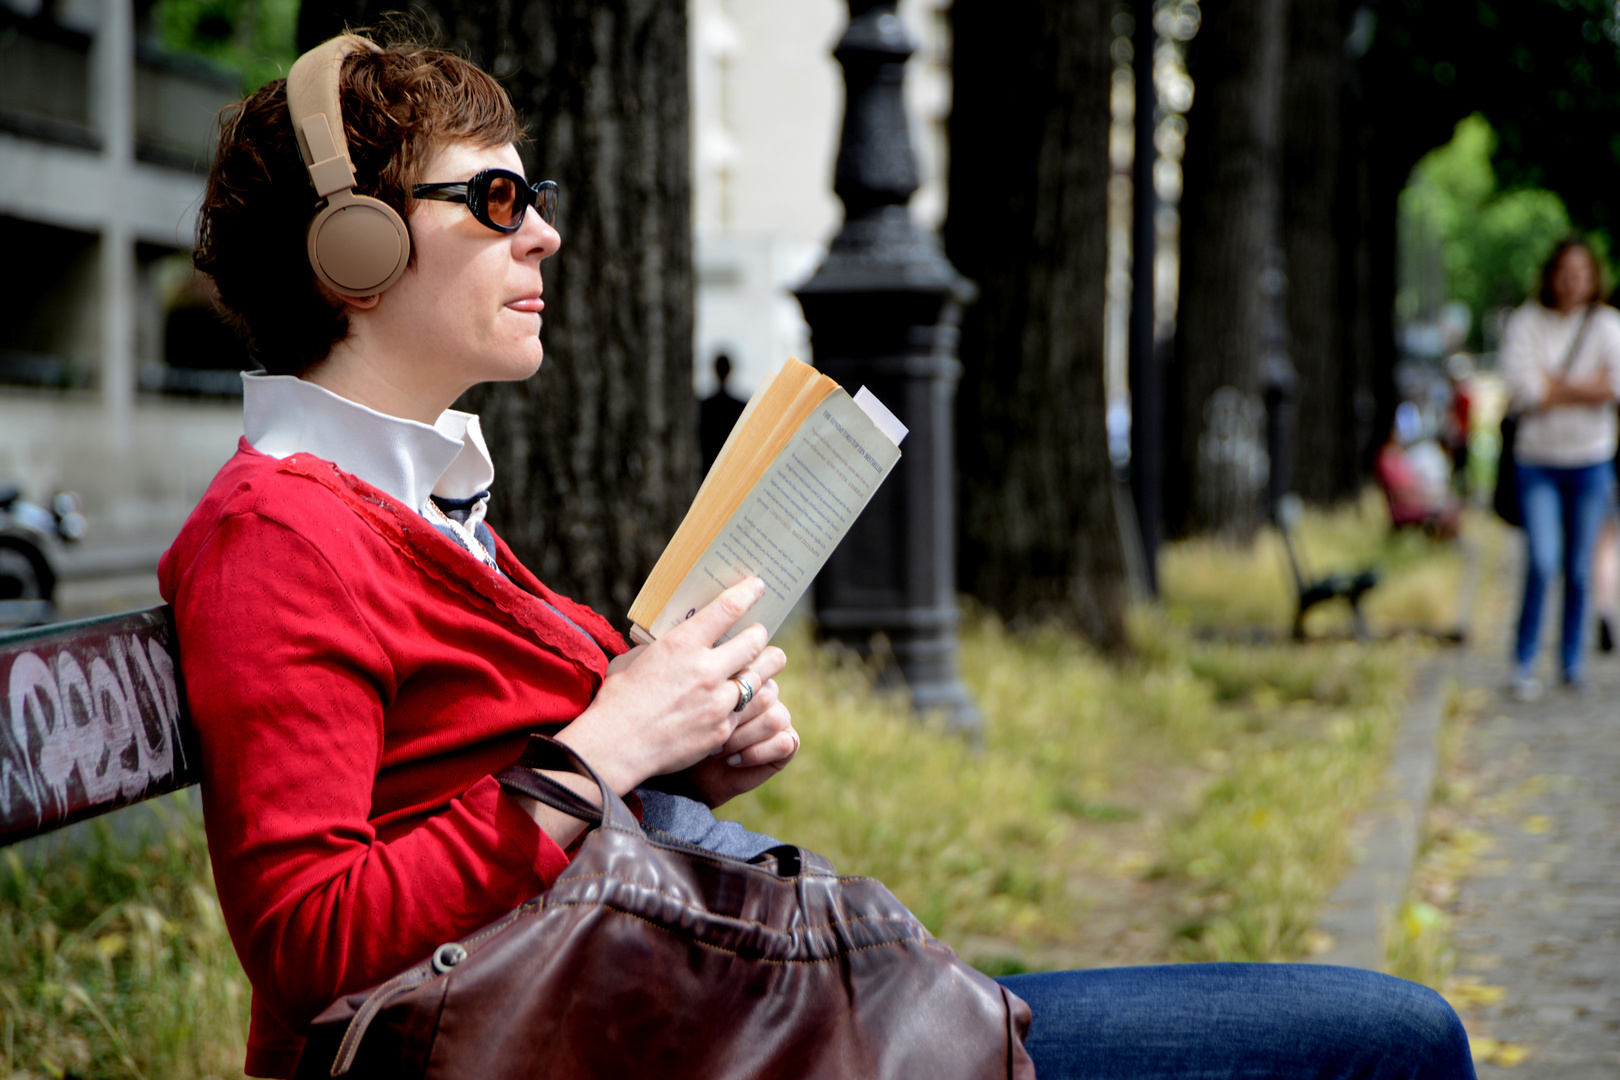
(1459, 418)
(1561, 361)
(1606, 580)
(717, 414)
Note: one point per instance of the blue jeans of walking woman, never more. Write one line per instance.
(1563, 510)
(1281, 1021)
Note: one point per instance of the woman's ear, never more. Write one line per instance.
(339, 300)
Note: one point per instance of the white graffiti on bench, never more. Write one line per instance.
(114, 718)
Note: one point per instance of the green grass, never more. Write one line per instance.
(1214, 584)
(1190, 803)
(114, 961)
(1267, 843)
(1237, 769)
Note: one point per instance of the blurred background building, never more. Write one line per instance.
(116, 378)
(767, 101)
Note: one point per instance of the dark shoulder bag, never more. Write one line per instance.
(649, 957)
(1505, 498)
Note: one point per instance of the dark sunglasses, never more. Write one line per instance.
(497, 198)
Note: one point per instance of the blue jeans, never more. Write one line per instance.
(1563, 509)
(1204, 1021)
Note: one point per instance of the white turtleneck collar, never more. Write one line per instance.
(284, 415)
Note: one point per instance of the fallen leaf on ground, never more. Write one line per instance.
(1538, 824)
(1483, 1049)
(1509, 1054)
(1467, 995)
(1420, 917)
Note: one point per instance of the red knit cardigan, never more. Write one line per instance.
(355, 679)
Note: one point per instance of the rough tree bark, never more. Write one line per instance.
(596, 457)
(1027, 220)
(1215, 421)
(1319, 225)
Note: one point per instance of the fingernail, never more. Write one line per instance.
(759, 586)
(734, 759)
(717, 751)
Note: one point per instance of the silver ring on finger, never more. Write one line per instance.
(745, 691)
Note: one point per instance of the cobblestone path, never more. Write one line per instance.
(1536, 920)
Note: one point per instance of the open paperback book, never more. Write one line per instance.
(799, 466)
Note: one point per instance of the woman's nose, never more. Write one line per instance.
(536, 237)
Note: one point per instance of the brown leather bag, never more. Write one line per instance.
(650, 957)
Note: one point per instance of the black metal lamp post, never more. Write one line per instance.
(1146, 374)
(1279, 382)
(883, 310)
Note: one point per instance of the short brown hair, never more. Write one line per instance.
(399, 107)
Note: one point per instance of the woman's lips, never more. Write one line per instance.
(528, 303)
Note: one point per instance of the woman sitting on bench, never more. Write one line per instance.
(362, 652)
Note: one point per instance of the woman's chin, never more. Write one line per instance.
(529, 370)
(522, 363)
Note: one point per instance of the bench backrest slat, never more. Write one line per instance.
(92, 717)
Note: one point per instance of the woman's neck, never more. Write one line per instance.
(350, 372)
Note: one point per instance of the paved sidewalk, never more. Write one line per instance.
(1536, 920)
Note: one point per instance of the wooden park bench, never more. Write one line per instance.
(1311, 589)
(93, 718)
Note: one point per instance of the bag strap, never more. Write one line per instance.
(544, 752)
(522, 780)
(1575, 343)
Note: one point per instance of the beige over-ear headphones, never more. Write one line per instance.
(358, 245)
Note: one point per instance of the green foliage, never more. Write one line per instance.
(1545, 73)
(254, 38)
(1493, 242)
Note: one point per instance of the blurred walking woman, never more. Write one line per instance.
(1561, 361)
(362, 653)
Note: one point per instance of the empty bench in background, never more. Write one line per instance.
(1309, 589)
(94, 719)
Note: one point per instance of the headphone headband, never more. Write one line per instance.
(358, 246)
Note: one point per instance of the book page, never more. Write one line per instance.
(788, 524)
(887, 422)
(773, 414)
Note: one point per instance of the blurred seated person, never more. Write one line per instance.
(1419, 494)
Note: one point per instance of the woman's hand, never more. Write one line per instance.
(673, 704)
(761, 747)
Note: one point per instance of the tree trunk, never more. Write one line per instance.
(1361, 320)
(1218, 467)
(1027, 221)
(595, 456)
(1320, 231)
(1385, 179)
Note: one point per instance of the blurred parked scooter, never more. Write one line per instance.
(30, 537)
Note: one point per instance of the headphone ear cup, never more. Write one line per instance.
(358, 245)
